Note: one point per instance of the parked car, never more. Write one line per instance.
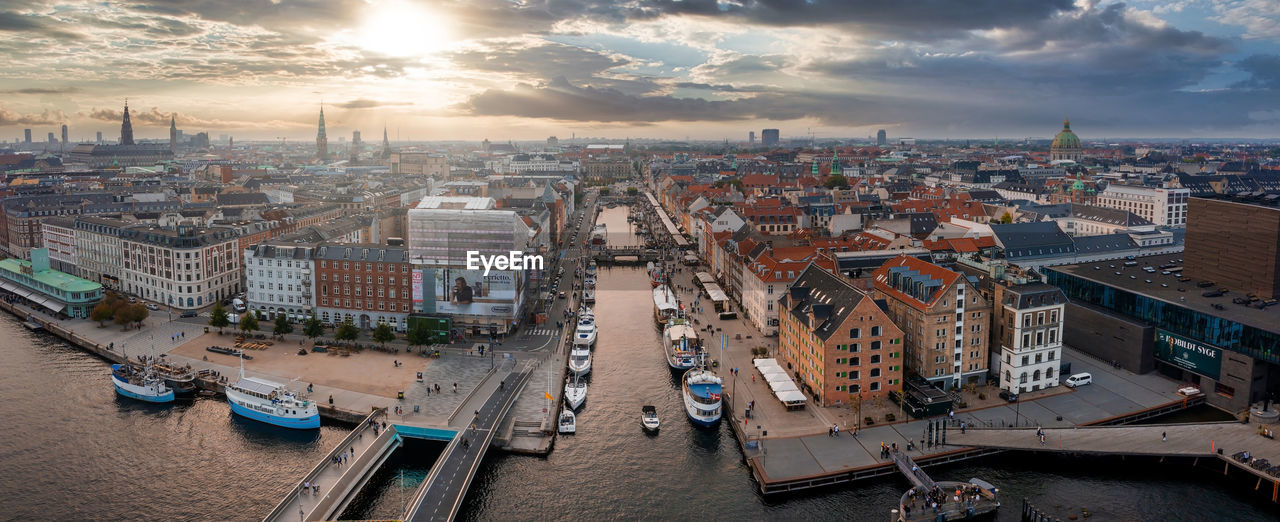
(133, 299)
(1008, 396)
(562, 296)
(1189, 391)
(1079, 379)
(152, 306)
(188, 313)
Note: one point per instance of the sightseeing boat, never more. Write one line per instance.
(140, 383)
(702, 390)
(656, 277)
(180, 379)
(665, 304)
(598, 234)
(272, 403)
(681, 343)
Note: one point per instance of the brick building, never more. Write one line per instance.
(944, 318)
(1234, 242)
(365, 283)
(837, 340)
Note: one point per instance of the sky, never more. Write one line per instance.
(704, 69)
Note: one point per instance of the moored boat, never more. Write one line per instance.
(702, 390)
(580, 360)
(272, 403)
(586, 331)
(665, 304)
(180, 379)
(575, 393)
(568, 422)
(681, 343)
(139, 383)
(656, 277)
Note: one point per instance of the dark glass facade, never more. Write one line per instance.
(1223, 333)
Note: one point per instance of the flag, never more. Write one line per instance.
(548, 396)
(715, 396)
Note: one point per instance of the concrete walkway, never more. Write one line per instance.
(331, 481)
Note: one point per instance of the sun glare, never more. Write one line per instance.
(399, 28)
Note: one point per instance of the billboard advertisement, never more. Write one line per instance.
(1188, 354)
(469, 292)
(417, 290)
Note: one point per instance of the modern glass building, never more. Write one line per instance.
(58, 292)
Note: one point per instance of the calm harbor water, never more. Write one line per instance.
(73, 450)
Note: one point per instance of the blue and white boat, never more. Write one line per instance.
(272, 403)
(681, 344)
(702, 390)
(140, 383)
(584, 335)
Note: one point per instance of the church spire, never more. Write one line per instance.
(386, 144)
(173, 134)
(322, 141)
(126, 127)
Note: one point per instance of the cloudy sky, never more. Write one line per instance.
(527, 69)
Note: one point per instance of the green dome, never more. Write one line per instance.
(1066, 139)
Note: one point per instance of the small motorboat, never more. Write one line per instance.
(575, 393)
(568, 422)
(649, 418)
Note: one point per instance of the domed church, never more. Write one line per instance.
(1066, 145)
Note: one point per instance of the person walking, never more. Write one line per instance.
(1164, 437)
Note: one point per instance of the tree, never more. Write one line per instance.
(121, 316)
(282, 325)
(631, 191)
(102, 313)
(312, 328)
(383, 333)
(138, 313)
(347, 331)
(218, 317)
(249, 321)
(836, 181)
(418, 334)
(1006, 217)
(604, 191)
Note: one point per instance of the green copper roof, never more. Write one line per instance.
(1066, 139)
(54, 278)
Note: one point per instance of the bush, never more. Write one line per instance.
(868, 421)
(888, 417)
(982, 396)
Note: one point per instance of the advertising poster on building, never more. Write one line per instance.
(1190, 355)
(470, 292)
(417, 290)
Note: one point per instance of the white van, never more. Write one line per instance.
(238, 305)
(1079, 379)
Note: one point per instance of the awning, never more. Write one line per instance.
(23, 292)
(783, 386)
(8, 286)
(790, 397)
(53, 305)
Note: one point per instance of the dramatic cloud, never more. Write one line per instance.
(683, 67)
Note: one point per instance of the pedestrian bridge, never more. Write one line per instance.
(442, 492)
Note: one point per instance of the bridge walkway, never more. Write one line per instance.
(329, 486)
(442, 492)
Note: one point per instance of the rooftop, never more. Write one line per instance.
(62, 280)
(1167, 288)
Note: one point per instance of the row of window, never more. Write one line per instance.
(368, 267)
(364, 305)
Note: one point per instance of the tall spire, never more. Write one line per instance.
(386, 143)
(173, 134)
(322, 142)
(1066, 123)
(126, 127)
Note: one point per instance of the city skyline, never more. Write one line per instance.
(646, 69)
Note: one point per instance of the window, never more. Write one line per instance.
(875, 331)
(1025, 359)
(1023, 378)
(875, 386)
(875, 359)
(855, 333)
(875, 345)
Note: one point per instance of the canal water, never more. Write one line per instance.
(72, 450)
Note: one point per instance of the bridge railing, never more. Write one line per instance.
(347, 442)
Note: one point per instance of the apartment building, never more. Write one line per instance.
(1162, 206)
(279, 279)
(367, 284)
(838, 340)
(944, 318)
(1028, 329)
(98, 250)
(185, 267)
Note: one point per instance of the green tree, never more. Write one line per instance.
(604, 191)
(249, 321)
(347, 331)
(836, 181)
(312, 328)
(631, 191)
(1006, 217)
(120, 316)
(383, 333)
(282, 325)
(138, 313)
(218, 317)
(418, 334)
(102, 312)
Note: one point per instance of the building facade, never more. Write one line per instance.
(60, 239)
(366, 284)
(184, 267)
(42, 287)
(943, 317)
(1162, 206)
(279, 279)
(98, 251)
(1027, 329)
(1236, 243)
(837, 340)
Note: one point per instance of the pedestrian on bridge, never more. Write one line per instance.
(1164, 437)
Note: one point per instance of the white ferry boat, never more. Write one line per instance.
(665, 304)
(140, 383)
(272, 403)
(702, 390)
